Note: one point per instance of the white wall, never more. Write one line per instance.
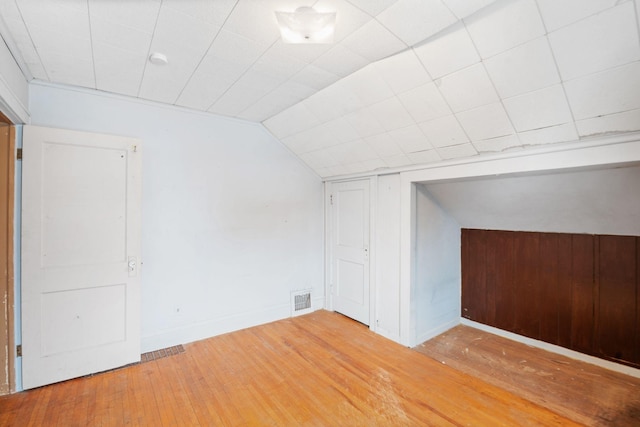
(387, 257)
(435, 291)
(14, 98)
(232, 221)
(593, 201)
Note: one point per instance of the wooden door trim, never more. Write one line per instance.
(7, 286)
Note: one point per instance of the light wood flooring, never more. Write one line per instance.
(580, 391)
(320, 369)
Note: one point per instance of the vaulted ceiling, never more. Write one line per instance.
(407, 82)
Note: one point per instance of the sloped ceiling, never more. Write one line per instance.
(408, 82)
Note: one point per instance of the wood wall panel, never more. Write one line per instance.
(582, 298)
(564, 293)
(474, 296)
(616, 289)
(502, 281)
(574, 290)
(548, 283)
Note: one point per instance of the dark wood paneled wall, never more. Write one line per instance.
(577, 291)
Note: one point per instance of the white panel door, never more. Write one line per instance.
(350, 249)
(80, 254)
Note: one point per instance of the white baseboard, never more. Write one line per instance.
(218, 326)
(612, 366)
(434, 332)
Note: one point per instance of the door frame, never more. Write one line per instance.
(7, 292)
(373, 193)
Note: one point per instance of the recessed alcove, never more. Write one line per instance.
(597, 191)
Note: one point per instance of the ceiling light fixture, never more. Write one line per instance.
(157, 58)
(305, 25)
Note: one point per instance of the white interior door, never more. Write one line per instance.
(80, 254)
(350, 249)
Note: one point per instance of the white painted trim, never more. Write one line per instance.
(612, 366)
(602, 140)
(373, 215)
(328, 276)
(407, 253)
(437, 331)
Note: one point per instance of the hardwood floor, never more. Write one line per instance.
(321, 369)
(583, 392)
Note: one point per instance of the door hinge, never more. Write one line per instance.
(331, 199)
(19, 154)
(19, 350)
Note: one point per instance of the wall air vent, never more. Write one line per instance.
(301, 302)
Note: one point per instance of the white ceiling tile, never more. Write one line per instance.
(202, 91)
(255, 20)
(70, 18)
(504, 25)
(340, 61)
(208, 83)
(234, 49)
(176, 28)
(313, 139)
(444, 132)
(52, 43)
(457, 151)
(348, 17)
(410, 139)
(553, 134)
(342, 130)
(425, 103)
(450, 51)
(628, 121)
(368, 84)
(403, 71)
(397, 161)
(215, 12)
(249, 89)
(314, 77)
(18, 31)
(373, 7)
(468, 88)
(422, 157)
(71, 70)
(291, 121)
(120, 36)
(391, 114)
(413, 21)
(602, 41)
(557, 14)
(497, 145)
(139, 14)
(527, 67)
(117, 70)
(608, 92)
(383, 145)
(539, 109)
(353, 151)
(305, 52)
(373, 41)
(364, 122)
(278, 64)
(334, 101)
(464, 8)
(319, 159)
(488, 121)
(284, 96)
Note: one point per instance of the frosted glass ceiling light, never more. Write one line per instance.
(305, 25)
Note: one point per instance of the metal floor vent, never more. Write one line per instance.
(159, 354)
(301, 302)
